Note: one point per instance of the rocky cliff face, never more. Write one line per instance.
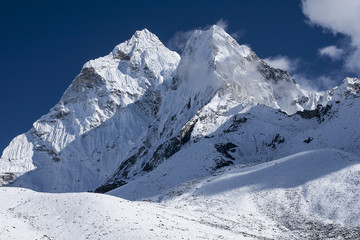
(128, 112)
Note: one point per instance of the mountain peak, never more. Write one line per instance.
(212, 50)
(349, 86)
(216, 42)
(351, 81)
(140, 41)
(144, 35)
(215, 28)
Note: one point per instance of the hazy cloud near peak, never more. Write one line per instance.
(283, 62)
(178, 41)
(238, 34)
(293, 66)
(222, 23)
(338, 17)
(315, 83)
(332, 52)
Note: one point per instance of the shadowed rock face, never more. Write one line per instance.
(274, 74)
(225, 148)
(6, 178)
(318, 113)
(236, 123)
(354, 88)
(169, 148)
(121, 55)
(87, 79)
(109, 186)
(162, 152)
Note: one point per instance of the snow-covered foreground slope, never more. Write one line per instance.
(25, 214)
(309, 195)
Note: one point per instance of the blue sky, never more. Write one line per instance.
(44, 44)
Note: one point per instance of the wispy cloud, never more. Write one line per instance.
(178, 41)
(283, 62)
(338, 17)
(238, 34)
(307, 81)
(223, 24)
(315, 83)
(332, 52)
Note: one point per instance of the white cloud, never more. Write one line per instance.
(178, 41)
(305, 82)
(238, 34)
(315, 83)
(326, 82)
(338, 17)
(332, 52)
(283, 63)
(222, 23)
(292, 65)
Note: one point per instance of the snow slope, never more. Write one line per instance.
(262, 134)
(309, 195)
(25, 214)
(312, 194)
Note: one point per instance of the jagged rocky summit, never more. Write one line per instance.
(218, 104)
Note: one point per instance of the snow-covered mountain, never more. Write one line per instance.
(201, 130)
(106, 88)
(128, 111)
